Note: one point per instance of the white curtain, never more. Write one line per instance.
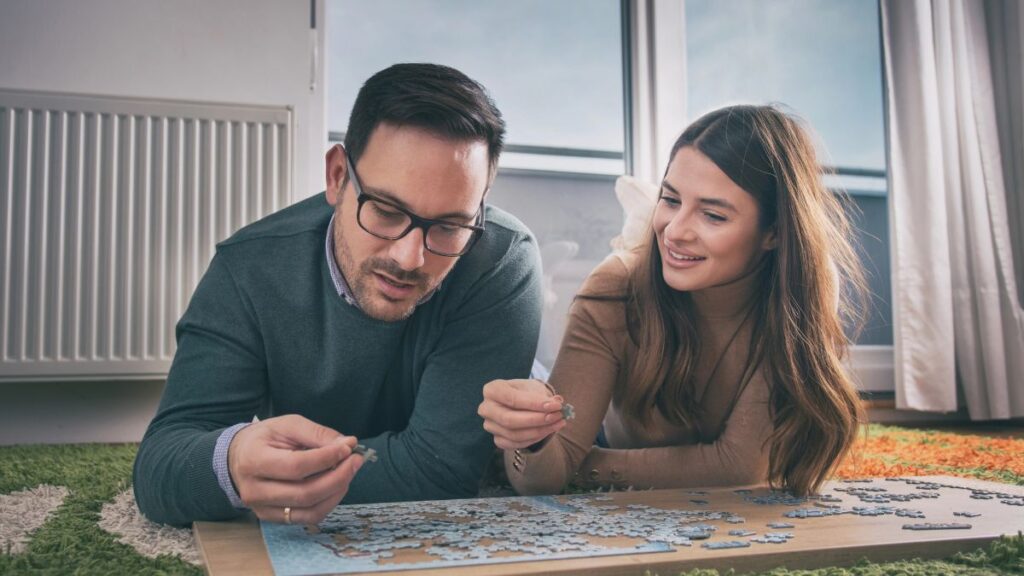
(1005, 19)
(956, 308)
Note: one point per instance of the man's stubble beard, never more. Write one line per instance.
(359, 283)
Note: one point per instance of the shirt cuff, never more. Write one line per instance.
(220, 464)
(539, 371)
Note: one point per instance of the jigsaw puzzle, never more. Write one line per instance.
(657, 529)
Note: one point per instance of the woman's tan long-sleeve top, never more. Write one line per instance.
(593, 361)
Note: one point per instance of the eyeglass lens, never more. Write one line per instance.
(387, 222)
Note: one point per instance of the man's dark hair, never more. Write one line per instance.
(436, 98)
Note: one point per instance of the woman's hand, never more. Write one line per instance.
(520, 413)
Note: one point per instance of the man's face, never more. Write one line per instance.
(425, 174)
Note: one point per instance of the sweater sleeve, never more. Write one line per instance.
(738, 457)
(584, 374)
(491, 333)
(218, 379)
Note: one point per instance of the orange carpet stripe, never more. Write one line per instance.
(887, 452)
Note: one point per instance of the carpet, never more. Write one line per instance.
(69, 509)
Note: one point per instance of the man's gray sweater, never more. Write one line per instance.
(267, 334)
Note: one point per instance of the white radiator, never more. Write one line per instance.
(109, 212)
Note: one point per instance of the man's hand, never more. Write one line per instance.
(292, 462)
(520, 413)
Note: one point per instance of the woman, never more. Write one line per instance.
(713, 353)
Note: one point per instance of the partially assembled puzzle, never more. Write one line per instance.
(445, 534)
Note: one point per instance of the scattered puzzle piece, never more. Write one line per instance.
(726, 544)
(812, 512)
(937, 526)
(767, 540)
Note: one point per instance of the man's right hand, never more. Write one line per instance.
(290, 461)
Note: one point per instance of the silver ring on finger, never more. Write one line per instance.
(287, 515)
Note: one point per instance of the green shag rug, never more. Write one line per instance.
(92, 531)
(71, 540)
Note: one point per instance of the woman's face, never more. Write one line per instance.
(708, 228)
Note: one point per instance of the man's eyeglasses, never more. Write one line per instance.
(387, 221)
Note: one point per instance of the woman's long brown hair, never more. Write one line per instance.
(809, 287)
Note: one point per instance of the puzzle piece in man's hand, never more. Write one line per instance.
(368, 453)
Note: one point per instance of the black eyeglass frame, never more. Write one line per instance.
(414, 220)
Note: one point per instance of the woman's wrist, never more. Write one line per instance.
(518, 454)
(550, 388)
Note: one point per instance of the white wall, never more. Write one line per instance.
(258, 52)
(228, 51)
(76, 412)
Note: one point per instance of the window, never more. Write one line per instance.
(556, 71)
(821, 59)
(553, 68)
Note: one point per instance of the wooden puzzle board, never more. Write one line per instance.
(822, 538)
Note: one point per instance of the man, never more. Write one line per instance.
(380, 313)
